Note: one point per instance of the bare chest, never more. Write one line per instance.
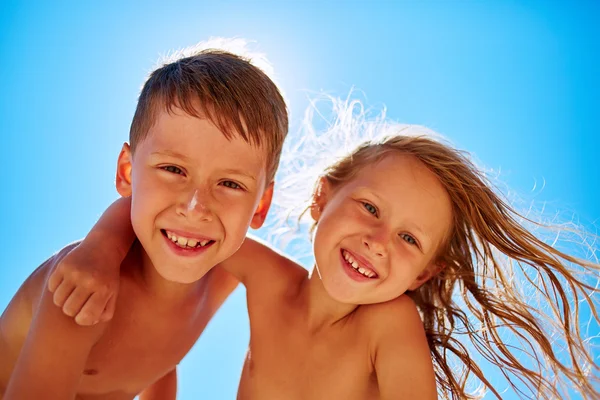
(286, 361)
(142, 344)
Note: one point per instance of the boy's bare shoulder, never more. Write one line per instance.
(32, 288)
(19, 312)
(22, 313)
(268, 268)
(273, 259)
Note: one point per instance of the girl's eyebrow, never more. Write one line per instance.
(417, 229)
(412, 226)
(370, 191)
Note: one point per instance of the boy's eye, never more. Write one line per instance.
(370, 208)
(172, 169)
(231, 185)
(409, 239)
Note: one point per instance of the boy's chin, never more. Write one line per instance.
(184, 275)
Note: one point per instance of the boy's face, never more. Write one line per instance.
(194, 194)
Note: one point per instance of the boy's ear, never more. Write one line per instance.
(432, 270)
(123, 181)
(258, 219)
(320, 197)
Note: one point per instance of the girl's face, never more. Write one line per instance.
(378, 234)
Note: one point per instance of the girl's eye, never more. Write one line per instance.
(409, 239)
(370, 208)
(231, 185)
(173, 169)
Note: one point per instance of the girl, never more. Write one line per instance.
(419, 267)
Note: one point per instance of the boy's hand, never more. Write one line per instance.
(84, 287)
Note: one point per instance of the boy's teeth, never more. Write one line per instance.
(185, 242)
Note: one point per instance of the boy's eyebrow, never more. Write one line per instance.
(239, 172)
(171, 153)
(175, 154)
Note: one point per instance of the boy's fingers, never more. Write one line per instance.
(91, 311)
(62, 293)
(54, 281)
(109, 311)
(75, 301)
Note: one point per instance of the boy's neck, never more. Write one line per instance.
(154, 284)
(322, 310)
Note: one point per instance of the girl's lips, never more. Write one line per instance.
(363, 262)
(352, 272)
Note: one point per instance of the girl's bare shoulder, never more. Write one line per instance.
(399, 350)
(398, 318)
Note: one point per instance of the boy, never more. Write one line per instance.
(204, 147)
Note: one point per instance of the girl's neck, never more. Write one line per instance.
(322, 310)
(153, 283)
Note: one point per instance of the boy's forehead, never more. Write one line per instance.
(178, 134)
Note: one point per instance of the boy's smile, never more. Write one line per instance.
(194, 194)
(186, 244)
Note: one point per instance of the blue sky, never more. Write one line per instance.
(515, 83)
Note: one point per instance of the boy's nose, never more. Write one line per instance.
(196, 206)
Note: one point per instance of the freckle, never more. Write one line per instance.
(90, 371)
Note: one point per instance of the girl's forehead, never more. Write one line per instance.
(405, 188)
(398, 170)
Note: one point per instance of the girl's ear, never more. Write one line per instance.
(432, 270)
(320, 197)
(123, 181)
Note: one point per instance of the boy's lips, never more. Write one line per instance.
(185, 239)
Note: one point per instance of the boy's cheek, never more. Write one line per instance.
(237, 222)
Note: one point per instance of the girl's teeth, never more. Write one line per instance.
(182, 241)
(192, 242)
(204, 242)
(355, 265)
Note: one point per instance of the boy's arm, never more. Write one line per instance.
(402, 358)
(163, 389)
(53, 356)
(86, 282)
(256, 262)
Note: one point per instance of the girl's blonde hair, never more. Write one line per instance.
(484, 227)
(477, 295)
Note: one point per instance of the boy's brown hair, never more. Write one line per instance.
(236, 96)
